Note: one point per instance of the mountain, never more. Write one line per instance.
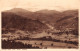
(48, 11)
(11, 20)
(49, 16)
(21, 12)
(56, 19)
(69, 20)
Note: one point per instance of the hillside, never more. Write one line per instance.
(49, 16)
(59, 20)
(69, 20)
(11, 20)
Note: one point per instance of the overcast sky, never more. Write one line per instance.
(34, 5)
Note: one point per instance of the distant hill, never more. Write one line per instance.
(49, 16)
(69, 20)
(11, 20)
(59, 20)
(21, 12)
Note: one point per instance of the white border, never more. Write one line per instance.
(39, 49)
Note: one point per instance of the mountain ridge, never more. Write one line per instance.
(51, 17)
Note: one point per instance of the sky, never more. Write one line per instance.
(35, 5)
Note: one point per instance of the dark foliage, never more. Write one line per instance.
(11, 20)
(16, 45)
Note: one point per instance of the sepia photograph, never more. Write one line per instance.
(39, 24)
